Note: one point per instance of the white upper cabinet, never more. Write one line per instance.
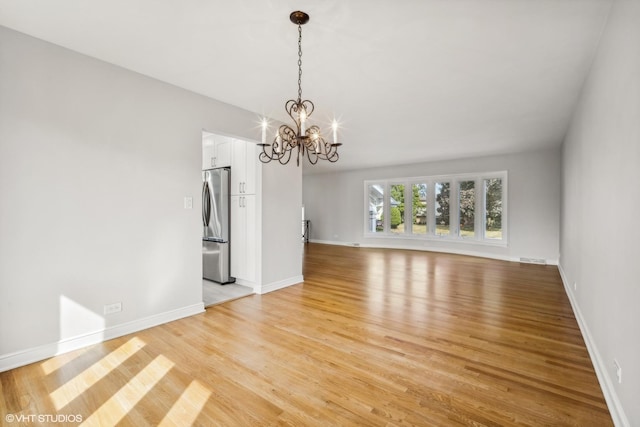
(223, 153)
(208, 153)
(216, 151)
(244, 160)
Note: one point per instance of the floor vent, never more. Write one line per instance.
(357, 245)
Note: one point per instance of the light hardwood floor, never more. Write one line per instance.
(372, 337)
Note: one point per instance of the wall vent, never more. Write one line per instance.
(541, 261)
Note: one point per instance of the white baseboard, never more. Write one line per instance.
(274, 286)
(606, 383)
(332, 242)
(432, 249)
(36, 354)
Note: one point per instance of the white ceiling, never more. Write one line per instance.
(408, 80)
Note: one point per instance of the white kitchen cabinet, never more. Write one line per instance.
(243, 238)
(207, 154)
(223, 153)
(216, 152)
(244, 158)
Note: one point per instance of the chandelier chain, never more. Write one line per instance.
(299, 63)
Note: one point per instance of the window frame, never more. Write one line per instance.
(454, 234)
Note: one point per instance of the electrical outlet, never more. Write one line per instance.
(618, 370)
(112, 308)
(575, 286)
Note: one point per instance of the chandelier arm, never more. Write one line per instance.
(325, 150)
(280, 148)
(288, 137)
(312, 156)
(264, 157)
(292, 107)
(284, 159)
(308, 107)
(333, 157)
(287, 133)
(267, 157)
(322, 150)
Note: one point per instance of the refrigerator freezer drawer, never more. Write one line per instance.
(215, 262)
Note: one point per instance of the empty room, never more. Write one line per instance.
(320, 213)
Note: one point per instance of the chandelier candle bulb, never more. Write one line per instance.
(334, 125)
(264, 131)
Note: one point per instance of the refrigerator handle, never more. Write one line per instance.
(206, 205)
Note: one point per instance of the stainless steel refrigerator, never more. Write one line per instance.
(216, 204)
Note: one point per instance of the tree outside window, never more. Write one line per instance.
(493, 208)
(396, 212)
(443, 190)
(419, 209)
(467, 207)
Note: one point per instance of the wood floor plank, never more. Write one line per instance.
(372, 337)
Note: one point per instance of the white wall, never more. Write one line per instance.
(95, 162)
(600, 229)
(281, 225)
(335, 204)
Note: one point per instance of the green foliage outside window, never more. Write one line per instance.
(396, 217)
(442, 199)
(493, 203)
(467, 205)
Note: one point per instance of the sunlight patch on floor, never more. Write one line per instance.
(116, 408)
(73, 388)
(51, 365)
(187, 408)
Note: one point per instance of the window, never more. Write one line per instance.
(396, 209)
(493, 208)
(419, 209)
(442, 215)
(469, 207)
(375, 208)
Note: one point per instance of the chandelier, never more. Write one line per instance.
(307, 139)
